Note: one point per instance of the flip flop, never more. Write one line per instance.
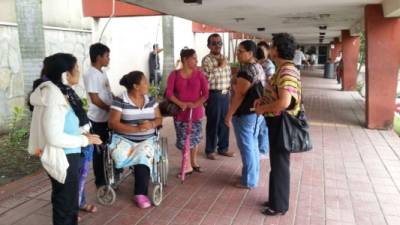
(197, 169)
(89, 208)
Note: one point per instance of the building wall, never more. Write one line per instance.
(7, 11)
(130, 40)
(11, 79)
(183, 36)
(57, 13)
(65, 13)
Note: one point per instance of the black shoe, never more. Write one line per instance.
(271, 212)
(266, 204)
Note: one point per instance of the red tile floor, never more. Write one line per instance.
(352, 176)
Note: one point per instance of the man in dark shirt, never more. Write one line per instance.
(154, 66)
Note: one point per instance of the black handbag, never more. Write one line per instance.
(294, 136)
(167, 107)
(255, 92)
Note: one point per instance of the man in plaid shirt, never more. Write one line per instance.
(218, 73)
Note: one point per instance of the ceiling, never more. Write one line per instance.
(301, 18)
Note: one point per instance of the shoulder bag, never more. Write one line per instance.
(167, 107)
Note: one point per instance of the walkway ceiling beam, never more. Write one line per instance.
(391, 8)
(302, 18)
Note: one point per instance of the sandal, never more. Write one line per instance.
(239, 185)
(186, 174)
(142, 201)
(271, 212)
(89, 208)
(197, 169)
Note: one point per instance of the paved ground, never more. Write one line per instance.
(351, 177)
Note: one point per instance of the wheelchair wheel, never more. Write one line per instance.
(157, 194)
(106, 195)
(108, 166)
(164, 161)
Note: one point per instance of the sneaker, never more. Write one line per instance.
(142, 201)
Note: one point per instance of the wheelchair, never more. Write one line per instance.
(106, 194)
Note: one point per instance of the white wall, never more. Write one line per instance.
(65, 13)
(7, 11)
(183, 36)
(56, 13)
(130, 40)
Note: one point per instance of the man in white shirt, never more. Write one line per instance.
(298, 58)
(100, 98)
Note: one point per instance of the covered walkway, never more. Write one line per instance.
(351, 177)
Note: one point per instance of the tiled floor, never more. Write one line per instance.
(352, 176)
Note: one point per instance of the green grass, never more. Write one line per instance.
(396, 123)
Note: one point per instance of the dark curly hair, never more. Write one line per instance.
(134, 77)
(285, 45)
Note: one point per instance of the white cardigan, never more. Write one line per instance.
(47, 138)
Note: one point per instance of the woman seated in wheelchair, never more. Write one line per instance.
(135, 116)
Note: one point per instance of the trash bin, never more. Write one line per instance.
(329, 70)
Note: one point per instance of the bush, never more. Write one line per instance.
(18, 126)
(154, 91)
(85, 104)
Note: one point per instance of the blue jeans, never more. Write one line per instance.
(263, 140)
(247, 128)
(84, 172)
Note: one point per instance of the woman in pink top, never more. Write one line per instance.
(188, 88)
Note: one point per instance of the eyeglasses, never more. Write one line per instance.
(216, 43)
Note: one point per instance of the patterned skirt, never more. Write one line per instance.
(195, 136)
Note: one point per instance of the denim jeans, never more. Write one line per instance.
(263, 140)
(84, 172)
(247, 128)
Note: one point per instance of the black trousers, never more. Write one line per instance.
(279, 177)
(155, 75)
(217, 133)
(65, 197)
(142, 177)
(100, 129)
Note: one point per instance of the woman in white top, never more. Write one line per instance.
(55, 134)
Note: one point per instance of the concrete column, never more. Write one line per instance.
(168, 44)
(351, 48)
(382, 66)
(31, 39)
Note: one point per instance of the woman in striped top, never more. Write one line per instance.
(283, 92)
(135, 116)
